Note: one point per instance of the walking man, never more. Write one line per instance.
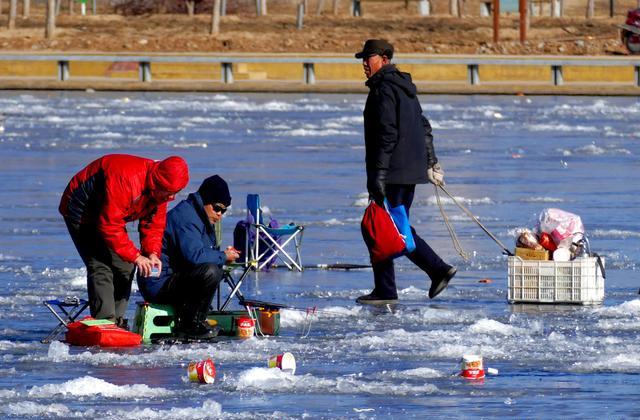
(399, 155)
(98, 203)
(191, 259)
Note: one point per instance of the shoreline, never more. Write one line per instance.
(318, 73)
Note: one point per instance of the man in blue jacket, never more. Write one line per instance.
(399, 154)
(191, 259)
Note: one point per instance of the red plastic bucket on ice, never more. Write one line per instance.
(471, 367)
(203, 372)
(286, 362)
(245, 327)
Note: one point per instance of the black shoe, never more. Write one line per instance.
(197, 331)
(372, 299)
(123, 323)
(437, 286)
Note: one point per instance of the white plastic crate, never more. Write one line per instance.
(579, 281)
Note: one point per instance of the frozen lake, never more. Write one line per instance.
(506, 158)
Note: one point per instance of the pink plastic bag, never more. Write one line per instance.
(560, 224)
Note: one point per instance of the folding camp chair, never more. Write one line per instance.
(249, 304)
(70, 308)
(234, 285)
(270, 242)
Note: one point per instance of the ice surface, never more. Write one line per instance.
(505, 158)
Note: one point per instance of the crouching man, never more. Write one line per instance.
(98, 203)
(191, 259)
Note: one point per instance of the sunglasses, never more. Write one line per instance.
(219, 208)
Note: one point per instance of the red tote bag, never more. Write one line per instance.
(381, 234)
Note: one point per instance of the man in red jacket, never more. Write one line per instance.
(98, 203)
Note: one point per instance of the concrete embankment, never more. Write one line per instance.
(539, 75)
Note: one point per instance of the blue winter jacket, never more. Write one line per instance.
(189, 240)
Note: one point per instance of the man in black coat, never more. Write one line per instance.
(399, 155)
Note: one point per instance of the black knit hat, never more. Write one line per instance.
(215, 190)
(376, 46)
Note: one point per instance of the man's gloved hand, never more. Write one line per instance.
(377, 186)
(436, 174)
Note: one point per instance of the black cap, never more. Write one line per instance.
(215, 190)
(376, 46)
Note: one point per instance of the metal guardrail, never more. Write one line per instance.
(473, 63)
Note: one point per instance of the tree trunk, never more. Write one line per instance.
(320, 7)
(13, 11)
(50, 24)
(191, 5)
(215, 18)
(263, 7)
(337, 2)
(1, 7)
(70, 7)
(26, 8)
(453, 7)
(300, 16)
(590, 9)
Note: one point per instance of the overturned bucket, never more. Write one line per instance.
(285, 362)
(471, 367)
(203, 371)
(245, 327)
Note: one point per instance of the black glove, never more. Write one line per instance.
(377, 186)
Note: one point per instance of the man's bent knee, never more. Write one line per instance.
(212, 272)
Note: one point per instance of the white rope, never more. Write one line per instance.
(452, 233)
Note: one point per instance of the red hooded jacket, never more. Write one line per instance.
(116, 189)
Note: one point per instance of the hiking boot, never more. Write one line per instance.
(197, 331)
(437, 286)
(372, 299)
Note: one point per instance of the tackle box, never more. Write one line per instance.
(580, 281)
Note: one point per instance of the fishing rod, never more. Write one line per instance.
(505, 250)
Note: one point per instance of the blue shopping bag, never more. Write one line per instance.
(401, 220)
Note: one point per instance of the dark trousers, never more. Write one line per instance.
(191, 291)
(109, 277)
(423, 256)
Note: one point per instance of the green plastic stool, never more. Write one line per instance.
(154, 320)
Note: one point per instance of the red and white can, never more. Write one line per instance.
(203, 371)
(285, 362)
(245, 327)
(471, 367)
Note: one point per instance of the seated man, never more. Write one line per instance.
(191, 259)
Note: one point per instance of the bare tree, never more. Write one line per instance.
(51, 19)
(13, 11)
(191, 6)
(215, 18)
(337, 2)
(26, 8)
(300, 16)
(590, 8)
